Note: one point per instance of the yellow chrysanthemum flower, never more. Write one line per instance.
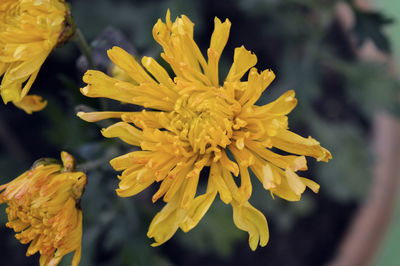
(43, 208)
(29, 30)
(195, 122)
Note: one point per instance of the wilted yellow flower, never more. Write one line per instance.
(29, 30)
(195, 122)
(43, 208)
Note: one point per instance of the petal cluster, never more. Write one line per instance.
(194, 121)
(43, 209)
(29, 30)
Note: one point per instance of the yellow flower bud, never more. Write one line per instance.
(43, 209)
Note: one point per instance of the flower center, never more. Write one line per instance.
(205, 119)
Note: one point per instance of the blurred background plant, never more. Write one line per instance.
(313, 46)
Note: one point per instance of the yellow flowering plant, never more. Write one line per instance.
(197, 126)
(193, 121)
(29, 31)
(43, 209)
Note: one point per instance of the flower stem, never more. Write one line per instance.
(97, 163)
(84, 47)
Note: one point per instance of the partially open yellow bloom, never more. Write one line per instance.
(43, 208)
(193, 122)
(29, 30)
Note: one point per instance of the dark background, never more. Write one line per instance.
(303, 42)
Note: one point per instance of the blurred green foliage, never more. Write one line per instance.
(388, 254)
(369, 25)
(305, 46)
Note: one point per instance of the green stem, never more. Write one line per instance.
(97, 163)
(84, 47)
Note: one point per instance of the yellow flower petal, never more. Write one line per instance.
(282, 161)
(157, 71)
(281, 106)
(218, 182)
(68, 161)
(31, 103)
(29, 83)
(97, 116)
(135, 182)
(218, 41)
(264, 173)
(128, 160)
(229, 165)
(127, 63)
(10, 93)
(245, 182)
(311, 184)
(291, 142)
(256, 84)
(197, 210)
(125, 132)
(101, 85)
(220, 35)
(143, 119)
(166, 222)
(295, 182)
(118, 73)
(180, 50)
(248, 218)
(243, 60)
(285, 191)
(27, 68)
